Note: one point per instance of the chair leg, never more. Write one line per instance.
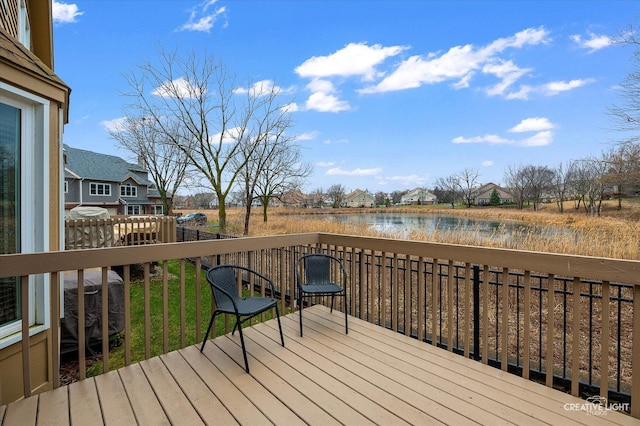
(346, 314)
(279, 325)
(206, 335)
(244, 350)
(300, 310)
(333, 296)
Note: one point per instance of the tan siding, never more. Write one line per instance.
(11, 368)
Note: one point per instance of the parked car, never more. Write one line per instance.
(192, 218)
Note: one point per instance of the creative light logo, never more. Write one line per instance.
(596, 406)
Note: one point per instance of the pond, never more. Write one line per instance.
(402, 224)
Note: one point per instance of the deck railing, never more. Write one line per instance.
(494, 305)
(119, 231)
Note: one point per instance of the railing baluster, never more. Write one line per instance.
(127, 313)
(435, 285)
(504, 361)
(26, 340)
(527, 325)
(165, 306)
(198, 299)
(635, 358)
(551, 300)
(467, 309)
(105, 319)
(147, 312)
(394, 293)
(485, 315)
(183, 302)
(575, 340)
(54, 286)
(450, 297)
(604, 340)
(383, 289)
(407, 295)
(81, 330)
(421, 298)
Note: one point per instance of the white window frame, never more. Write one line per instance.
(24, 29)
(106, 189)
(137, 207)
(158, 209)
(128, 190)
(34, 200)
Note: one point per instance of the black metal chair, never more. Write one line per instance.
(314, 274)
(224, 288)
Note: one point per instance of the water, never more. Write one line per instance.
(402, 224)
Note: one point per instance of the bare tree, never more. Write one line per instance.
(273, 168)
(626, 114)
(562, 181)
(318, 198)
(165, 162)
(468, 184)
(448, 190)
(538, 182)
(516, 181)
(336, 193)
(215, 118)
(381, 198)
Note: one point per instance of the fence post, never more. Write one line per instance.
(476, 312)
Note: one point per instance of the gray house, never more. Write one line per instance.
(107, 181)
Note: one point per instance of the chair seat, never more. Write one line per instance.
(321, 288)
(254, 305)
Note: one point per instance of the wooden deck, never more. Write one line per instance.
(370, 376)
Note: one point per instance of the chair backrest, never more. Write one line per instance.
(224, 286)
(317, 269)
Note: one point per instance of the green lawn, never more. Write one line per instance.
(116, 355)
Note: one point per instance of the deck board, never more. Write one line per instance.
(370, 376)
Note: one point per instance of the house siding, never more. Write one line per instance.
(30, 71)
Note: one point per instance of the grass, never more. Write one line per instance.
(614, 234)
(116, 355)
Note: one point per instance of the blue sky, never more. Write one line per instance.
(389, 95)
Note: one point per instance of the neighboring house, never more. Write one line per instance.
(418, 196)
(33, 109)
(482, 195)
(107, 181)
(359, 198)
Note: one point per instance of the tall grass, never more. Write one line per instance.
(614, 234)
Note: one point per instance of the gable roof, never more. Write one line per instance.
(103, 167)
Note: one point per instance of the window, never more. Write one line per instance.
(66, 187)
(100, 189)
(158, 210)
(133, 209)
(10, 126)
(24, 30)
(24, 191)
(128, 190)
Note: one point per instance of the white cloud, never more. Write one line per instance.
(459, 63)
(308, 136)
(65, 13)
(355, 59)
(487, 163)
(262, 88)
(553, 88)
(115, 125)
(230, 136)
(539, 139)
(325, 163)
(534, 124)
(490, 139)
(179, 88)
(201, 19)
(593, 43)
(410, 181)
(337, 171)
(326, 102)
